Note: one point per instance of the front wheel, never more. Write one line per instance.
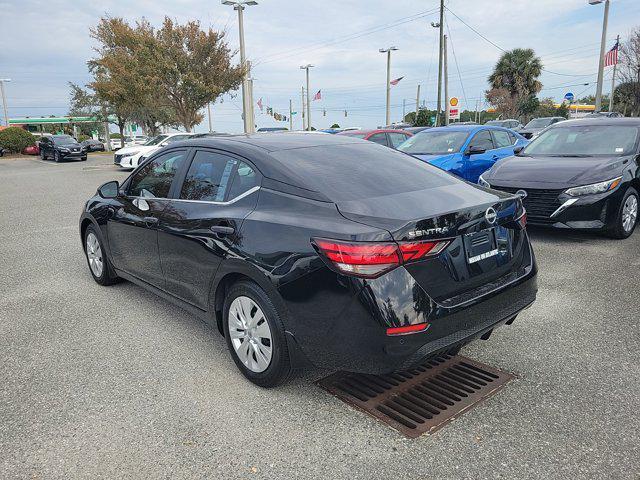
(56, 157)
(99, 265)
(255, 335)
(42, 155)
(627, 215)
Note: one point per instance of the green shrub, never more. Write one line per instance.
(82, 137)
(16, 139)
(115, 135)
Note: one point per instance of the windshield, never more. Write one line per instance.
(66, 140)
(430, 142)
(539, 123)
(156, 140)
(587, 140)
(495, 122)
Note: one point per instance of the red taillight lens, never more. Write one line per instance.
(419, 327)
(370, 260)
(522, 221)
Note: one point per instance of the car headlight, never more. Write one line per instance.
(483, 182)
(131, 154)
(594, 188)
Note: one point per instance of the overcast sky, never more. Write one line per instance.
(45, 44)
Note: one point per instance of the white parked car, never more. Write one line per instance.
(132, 156)
(115, 143)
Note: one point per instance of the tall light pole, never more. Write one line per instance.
(440, 26)
(603, 42)
(307, 67)
(388, 52)
(4, 100)
(247, 101)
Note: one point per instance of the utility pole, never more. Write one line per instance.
(602, 47)
(446, 81)
(404, 108)
(307, 67)
(613, 77)
(417, 103)
(4, 100)
(304, 115)
(252, 115)
(388, 52)
(440, 25)
(290, 115)
(246, 99)
(209, 115)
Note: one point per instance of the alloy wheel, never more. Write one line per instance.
(250, 334)
(629, 213)
(94, 254)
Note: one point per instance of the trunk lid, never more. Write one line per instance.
(488, 247)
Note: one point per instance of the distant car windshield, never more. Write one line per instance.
(585, 140)
(155, 140)
(63, 140)
(539, 123)
(430, 142)
(497, 123)
(356, 135)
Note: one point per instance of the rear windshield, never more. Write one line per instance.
(434, 142)
(357, 171)
(587, 140)
(539, 123)
(63, 140)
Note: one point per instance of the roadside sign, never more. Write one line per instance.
(453, 101)
(569, 97)
(454, 114)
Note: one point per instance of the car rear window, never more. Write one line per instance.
(357, 171)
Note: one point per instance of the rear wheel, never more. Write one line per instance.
(627, 215)
(99, 265)
(255, 335)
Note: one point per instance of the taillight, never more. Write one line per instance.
(372, 259)
(522, 220)
(418, 327)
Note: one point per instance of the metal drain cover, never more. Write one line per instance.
(421, 400)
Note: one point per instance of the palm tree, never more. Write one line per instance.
(518, 71)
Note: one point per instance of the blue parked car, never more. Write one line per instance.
(464, 150)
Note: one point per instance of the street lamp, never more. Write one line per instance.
(602, 47)
(4, 100)
(307, 67)
(388, 52)
(247, 101)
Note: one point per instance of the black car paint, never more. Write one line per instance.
(69, 151)
(556, 174)
(333, 320)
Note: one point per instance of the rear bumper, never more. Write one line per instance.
(343, 325)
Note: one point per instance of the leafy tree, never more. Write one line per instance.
(335, 125)
(628, 91)
(16, 139)
(502, 100)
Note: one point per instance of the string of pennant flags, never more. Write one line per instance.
(318, 96)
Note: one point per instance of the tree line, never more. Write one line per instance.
(155, 77)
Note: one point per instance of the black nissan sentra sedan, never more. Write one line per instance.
(580, 174)
(319, 248)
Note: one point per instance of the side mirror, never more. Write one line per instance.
(517, 150)
(164, 144)
(474, 150)
(109, 189)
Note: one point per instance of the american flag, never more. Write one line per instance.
(259, 102)
(318, 96)
(396, 81)
(611, 57)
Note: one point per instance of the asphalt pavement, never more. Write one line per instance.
(114, 382)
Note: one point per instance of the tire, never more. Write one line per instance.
(247, 297)
(627, 216)
(94, 250)
(56, 156)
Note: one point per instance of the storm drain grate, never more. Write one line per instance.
(421, 400)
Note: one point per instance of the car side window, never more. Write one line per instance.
(397, 138)
(177, 138)
(482, 139)
(513, 138)
(502, 138)
(244, 180)
(208, 177)
(154, 179)
(380, 138)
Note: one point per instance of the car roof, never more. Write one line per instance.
(630, 121)
(467, 128)
(373, 130)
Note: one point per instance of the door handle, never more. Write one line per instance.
(150, 221)
(223, 229)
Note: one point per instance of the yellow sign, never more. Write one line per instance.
(453, 101)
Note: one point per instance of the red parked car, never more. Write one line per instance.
(31, 150)
(384, 136)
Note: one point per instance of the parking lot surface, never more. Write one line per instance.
(116, 382)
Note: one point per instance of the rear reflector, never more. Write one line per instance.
(372, 259)
(419, 327)
(522, 221)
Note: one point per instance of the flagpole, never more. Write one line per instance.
(417, 104)
(613, 77)
(304, 115)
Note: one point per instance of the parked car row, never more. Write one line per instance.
(130, 157)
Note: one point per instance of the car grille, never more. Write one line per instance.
(540, 204)
(117, 158)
